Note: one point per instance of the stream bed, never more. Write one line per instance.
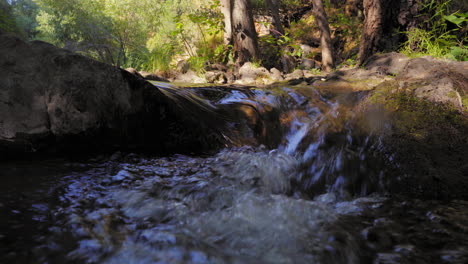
(314, 192)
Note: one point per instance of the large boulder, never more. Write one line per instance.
(415, 113)
(436, 80)
(422, 125)
(250, 74)
(53, 100)
(388, 63)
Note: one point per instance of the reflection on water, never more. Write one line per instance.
(309, 199)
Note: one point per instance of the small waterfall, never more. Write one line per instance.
(294, 182)
(300, 122)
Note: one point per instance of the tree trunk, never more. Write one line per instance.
(226, 10)
(380, 21)
(325, 38)
(273, 5)
(372, 29)
(244, 35)
(352, 7)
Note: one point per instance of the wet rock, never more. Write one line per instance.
(121, 175)
(389, 258)
(50, 92)
(327, 198)
(423, 126)
(54, 100)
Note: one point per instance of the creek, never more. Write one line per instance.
(295, 182)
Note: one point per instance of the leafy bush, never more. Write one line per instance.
(439, 37)
(7, 21)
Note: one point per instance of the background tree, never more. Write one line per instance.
(7, 20)
(379, 27)
(352, 7)
(325, 37)
(226, 10)
(273, 6)
(25, 12)
(243, 34)
(372, 29)
(127, 33)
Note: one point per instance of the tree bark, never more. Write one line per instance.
(273, 5)
(226, 10)
(352, 7)
(325, 38)
(380, 21)
(244, 35)
(372, 29)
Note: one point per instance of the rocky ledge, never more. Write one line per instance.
(53, 100)
(417, 109)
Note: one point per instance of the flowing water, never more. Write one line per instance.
(295, 184)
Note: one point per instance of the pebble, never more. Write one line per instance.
(122, 175)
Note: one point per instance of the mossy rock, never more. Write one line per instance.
(426, 142)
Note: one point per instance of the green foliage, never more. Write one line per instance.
(416, 116)
(422, 42)
(457, 18)
(224, 53)
(159, 58)
(303, 29)
(439, 37)
(25, 12)
(272, 48)
(465, 102)
(351, 62)
(7, 21)
(18, 16)
(84, 26)
(316, 71)
(208, 19)
(144, 34)
(459, 53)
(197, 63)
(270, 52)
